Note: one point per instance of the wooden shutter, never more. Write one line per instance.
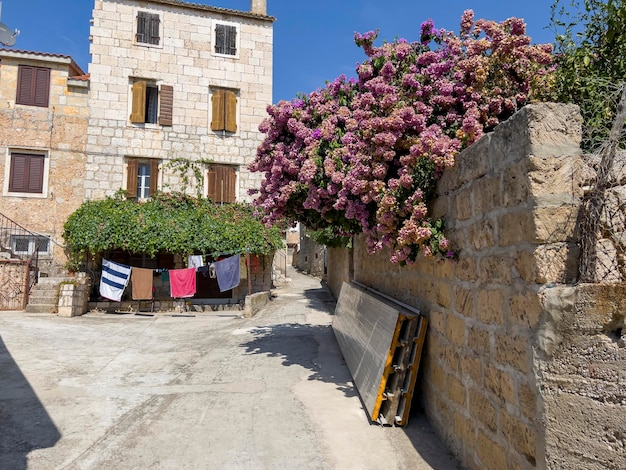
(222, 183)
(33, 86)
(19, 170)
(142, 27)
(154, 29)
(231, 43)
(166, 105)
(25, 83)
(26, 173)
(138, 112)
(154, 177)
(42, 87)
(132, 169)
(230, 112)
(220, 38)
(35, 174)
(212, 184)
(217, 107)
(230, 181)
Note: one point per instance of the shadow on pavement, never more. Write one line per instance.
(300, 344)
(24, 423)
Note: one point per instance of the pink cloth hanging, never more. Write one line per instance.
(182, 282)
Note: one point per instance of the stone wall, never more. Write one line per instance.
(311, 257)
(59, 132)
(510, 205)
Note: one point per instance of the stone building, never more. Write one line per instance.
(171, 82)
(172, 102)
(43, 133)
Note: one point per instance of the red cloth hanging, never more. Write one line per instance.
(182, 282)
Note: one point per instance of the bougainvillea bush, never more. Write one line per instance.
(364, 154)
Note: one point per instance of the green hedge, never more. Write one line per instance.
(168, 222)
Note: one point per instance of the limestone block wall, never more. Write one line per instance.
(510, 205)
(183, 59)
(311, 257)
(582, 373)
(59, 131)
(73, 297)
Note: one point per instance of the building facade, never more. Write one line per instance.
(178, 91)
(43, 136)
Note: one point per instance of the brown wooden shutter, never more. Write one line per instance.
(222, 183)
(25, 83)
(154, 177)
(138, 112)
(33, 86)
(230, 111)
(166, 105)
(230, 182)
(35, 174)
(26, 173)
(41, 92)
(217, 114)
(212, 184)
(18, 173)
(132, 169)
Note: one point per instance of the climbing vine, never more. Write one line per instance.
(168, 222)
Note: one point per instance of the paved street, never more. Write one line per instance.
(213, 391)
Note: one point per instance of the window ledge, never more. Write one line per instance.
(27, 195)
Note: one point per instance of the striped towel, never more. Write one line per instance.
(114, 280)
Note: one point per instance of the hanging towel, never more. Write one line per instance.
(227, 272)
(195, 261)
(114, 280)
(204, 270)
(182, 282)
(142, 283)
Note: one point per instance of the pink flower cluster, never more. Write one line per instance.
(364, 155)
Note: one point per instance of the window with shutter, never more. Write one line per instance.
(167, 105)
(142, 177)
(222, 183)
(224, 110)
(151, 104)
(33, 86)
(26, 173)
(225, 39)
(148, 28)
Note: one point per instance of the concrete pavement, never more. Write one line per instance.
(214, 391)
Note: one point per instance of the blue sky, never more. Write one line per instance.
(313, 40)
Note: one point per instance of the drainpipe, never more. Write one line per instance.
(258, 7)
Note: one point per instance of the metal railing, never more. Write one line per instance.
(19, 244)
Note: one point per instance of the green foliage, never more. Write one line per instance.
(172, 222)
(591, 60)
(191, 173)
(332, 237)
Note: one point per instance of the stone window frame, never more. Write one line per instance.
(8, 167)
(131, 176)
(221, 183)
(150, 22)
(33, 86)
(224, 110)
(145, 94)
(219, 27)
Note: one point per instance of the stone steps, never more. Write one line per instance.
(44, 296)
